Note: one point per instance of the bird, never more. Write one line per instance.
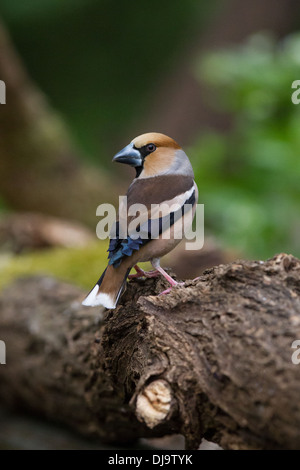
(164, 178)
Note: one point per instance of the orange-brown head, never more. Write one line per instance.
(154, 154)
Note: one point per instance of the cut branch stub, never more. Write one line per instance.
(153, 403)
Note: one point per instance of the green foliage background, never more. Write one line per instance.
(249, 178)
(100, 62)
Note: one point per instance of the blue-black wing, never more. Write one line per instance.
(119, 247)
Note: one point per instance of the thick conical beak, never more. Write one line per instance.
(129, 155)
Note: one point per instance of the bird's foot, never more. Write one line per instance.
(167, 291)
(169, 279)
(141, 273)
(151, 273)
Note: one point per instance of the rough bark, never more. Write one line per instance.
(211, 359)
(40, 170)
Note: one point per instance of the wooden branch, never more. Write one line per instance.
(212, 359)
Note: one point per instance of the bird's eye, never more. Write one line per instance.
(150, 148)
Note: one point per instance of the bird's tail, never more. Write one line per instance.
(108, 289)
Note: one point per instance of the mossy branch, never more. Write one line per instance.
(212, 359)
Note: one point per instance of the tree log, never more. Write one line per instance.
(211, 359)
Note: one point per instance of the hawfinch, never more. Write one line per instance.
(165, 186)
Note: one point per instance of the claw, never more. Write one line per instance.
(141, 273)
(167, 291)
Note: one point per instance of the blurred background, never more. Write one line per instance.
(84, 77)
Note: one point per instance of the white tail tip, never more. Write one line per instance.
(93, 299)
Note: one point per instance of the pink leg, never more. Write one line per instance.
(169, 279)
(166, 276)
(141, 273)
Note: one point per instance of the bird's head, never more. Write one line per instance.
(153, 154)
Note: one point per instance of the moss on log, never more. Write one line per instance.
(211, 359)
